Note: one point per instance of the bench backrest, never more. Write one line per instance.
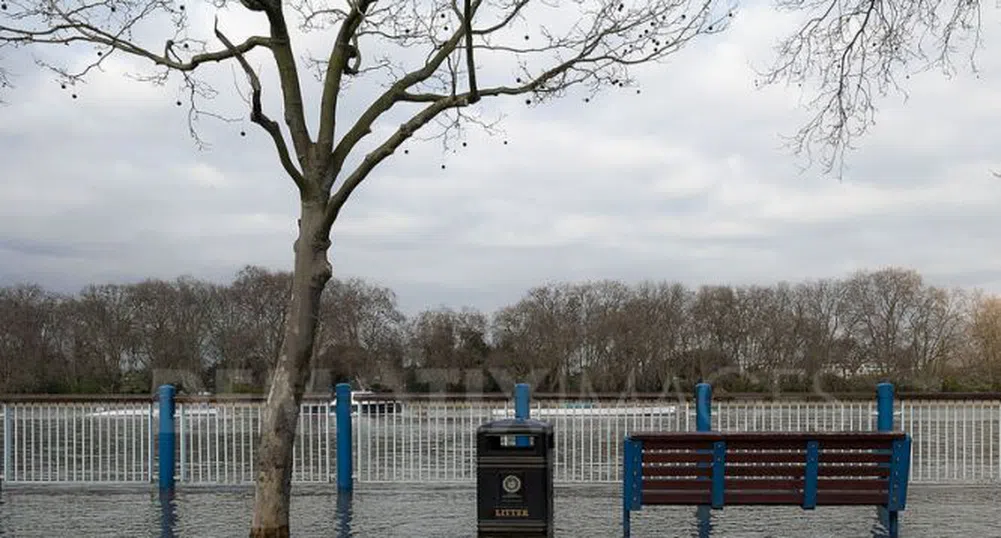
(778, 468)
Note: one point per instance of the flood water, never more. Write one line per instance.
(449, 512)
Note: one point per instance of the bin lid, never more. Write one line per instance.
(509, 426)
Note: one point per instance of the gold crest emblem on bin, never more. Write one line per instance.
(511, 484)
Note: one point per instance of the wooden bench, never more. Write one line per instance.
(806, 469)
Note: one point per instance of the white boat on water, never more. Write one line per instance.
(131, 412)
(370, 407)
(378, 406)
(587, 409)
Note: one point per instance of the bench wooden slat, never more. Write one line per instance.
(855, 444)
(796, 457)
(652, 439)
(743, 484)
(800, 470)
(767, 470)
(677, 457)
(692, 456)
(677, 445)
(676, 497)
(657, 497)
(823, 498)
(676, 470)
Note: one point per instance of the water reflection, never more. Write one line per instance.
(344, 502)
(168, 514)
(704, 516)
(411, 511)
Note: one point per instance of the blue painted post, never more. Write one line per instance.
(166, 437)
(703, 423)
(345, 479)
(629, 486)
(522, 408)
(632, 482)
(719, 467)
(811, 476)
(703, 407)
(899, 476)
(884, 423)
(884, 407)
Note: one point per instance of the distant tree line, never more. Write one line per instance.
(837, 334)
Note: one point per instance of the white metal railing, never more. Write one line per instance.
(78, 442)
(953, 441)
(216, 443)
(435, 440)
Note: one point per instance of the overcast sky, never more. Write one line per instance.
(685, 181)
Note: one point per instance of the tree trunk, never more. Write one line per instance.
(281, 412)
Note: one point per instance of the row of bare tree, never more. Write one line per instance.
(603, 336)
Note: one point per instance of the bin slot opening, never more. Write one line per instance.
(510, 441)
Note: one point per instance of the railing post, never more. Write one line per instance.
(181, 444)
(345, 479)
(150, 441)
(704, 423)
(884, 407)
(522, 408)
(8, 439)
(632, 482)
(166, 437)
(884, 423)
(703, 407)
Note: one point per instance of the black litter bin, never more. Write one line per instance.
(514, 478)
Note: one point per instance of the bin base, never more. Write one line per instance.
(508, 530)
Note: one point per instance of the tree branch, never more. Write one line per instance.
(552, 81)
(92, 34)
(339, 58)
(439, 104)
(505, 21)
(855, 51)
(393, 95)
(386, 149)
(288, 74)
(470, 64)
(258, 116)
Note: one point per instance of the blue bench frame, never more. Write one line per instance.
(704, 455)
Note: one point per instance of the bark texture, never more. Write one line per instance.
(281, 413)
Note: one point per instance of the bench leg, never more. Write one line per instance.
(893, 523)
(626, 531)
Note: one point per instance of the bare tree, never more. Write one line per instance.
(937, 328)
(448, 343)
(985, 334)
(173, 330)
(428, 53)
(719, 331)
(250, 323)
(360, 335)
(657, 315)
(542, 333)
(881, 304)
(102, 327)
(29, 346)
(822, 309)
(848, 53)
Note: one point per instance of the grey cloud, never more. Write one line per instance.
(684, 182)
